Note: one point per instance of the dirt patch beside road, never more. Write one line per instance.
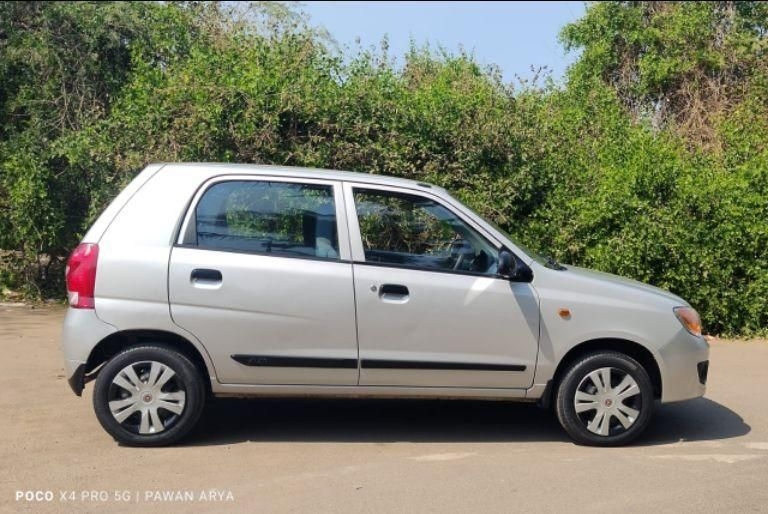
(707, 455)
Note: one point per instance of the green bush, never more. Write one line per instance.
(650, 161)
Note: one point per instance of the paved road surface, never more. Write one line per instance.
(708, 455)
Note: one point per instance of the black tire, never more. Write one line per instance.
(589, 427)
(185, 386)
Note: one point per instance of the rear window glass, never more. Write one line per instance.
(280, 218)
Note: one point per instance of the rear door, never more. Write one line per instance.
(262, 277)
(432, 312)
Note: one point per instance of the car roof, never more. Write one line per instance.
(299, 172)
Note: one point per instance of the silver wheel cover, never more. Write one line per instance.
(608, 401)
(146, 397)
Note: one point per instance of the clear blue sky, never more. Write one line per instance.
(513, 35)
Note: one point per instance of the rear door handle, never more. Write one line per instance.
(205, 275)
(393, 293)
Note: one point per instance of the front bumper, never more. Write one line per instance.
(703, 370)
(684, 368)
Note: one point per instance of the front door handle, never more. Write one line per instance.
(394, 289)
(205, 275)
(393, 293)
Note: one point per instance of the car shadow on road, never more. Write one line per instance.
(229, 421)
(697, 420)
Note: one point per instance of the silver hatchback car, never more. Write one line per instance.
(239, 280)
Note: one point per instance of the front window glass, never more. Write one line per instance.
(414, 231)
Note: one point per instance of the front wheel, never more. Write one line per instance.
(605, 399)
(149, 395)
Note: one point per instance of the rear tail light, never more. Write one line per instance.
(81, 275)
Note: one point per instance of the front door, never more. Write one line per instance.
(431, 310)
(261, 280)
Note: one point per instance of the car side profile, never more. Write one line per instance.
(204, 280)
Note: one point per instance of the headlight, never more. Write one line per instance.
(689, 318)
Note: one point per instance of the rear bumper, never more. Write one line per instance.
(82, 331)
(685, 365)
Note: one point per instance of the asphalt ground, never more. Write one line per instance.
(269, 455)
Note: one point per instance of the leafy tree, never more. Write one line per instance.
(681, 63)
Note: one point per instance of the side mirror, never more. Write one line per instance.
(507, 264)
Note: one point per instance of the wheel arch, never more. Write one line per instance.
(122, 340)
(630, 348)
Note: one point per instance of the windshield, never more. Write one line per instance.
(536, 256)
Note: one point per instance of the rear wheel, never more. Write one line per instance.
(148, 395)
(605, 399)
